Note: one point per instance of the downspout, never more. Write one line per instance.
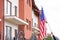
(3, 19)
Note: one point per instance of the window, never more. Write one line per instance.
(32, 22)
(16, 34)
(35, 24)
(8, 33)
(28, 26)
(9, 9)
(28, 2)
(15, 10)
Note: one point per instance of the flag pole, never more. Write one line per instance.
(49, 27)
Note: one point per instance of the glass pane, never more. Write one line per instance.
(8, 8)
(8, 33)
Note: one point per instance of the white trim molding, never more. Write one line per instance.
(36, 30)
(15, 20)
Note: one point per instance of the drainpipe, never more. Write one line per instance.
(3, 19)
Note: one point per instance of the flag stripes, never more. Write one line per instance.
(42, 25)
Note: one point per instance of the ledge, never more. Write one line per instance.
(36, 30)
(15, 20)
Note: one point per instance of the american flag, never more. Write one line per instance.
(42, 25)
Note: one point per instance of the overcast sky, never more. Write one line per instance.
(52, 13)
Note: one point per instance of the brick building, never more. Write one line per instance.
(17, 19)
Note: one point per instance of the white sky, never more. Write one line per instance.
(52, 13)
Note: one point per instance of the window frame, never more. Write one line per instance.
(10, 7)
(27, 22)
(28, 2)
(35, 24)
(15, 10)
(32, 21)
(30, 25)
(7, 32)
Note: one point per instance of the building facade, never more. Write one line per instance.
(25, 13)
(36, 20)
(19, 19)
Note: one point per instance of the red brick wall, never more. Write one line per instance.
(28, 15)
(1, 17)
(25, 12)
(21, 9)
